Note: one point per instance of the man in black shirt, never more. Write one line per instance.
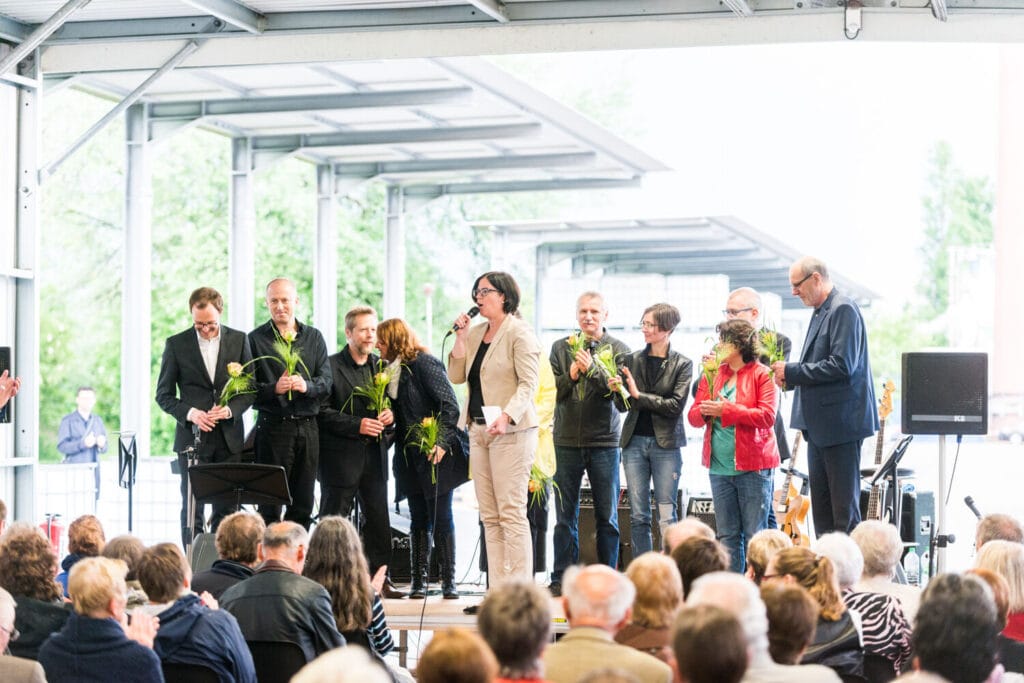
(286, 429)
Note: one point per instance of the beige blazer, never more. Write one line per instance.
(18, 670)
(584, 649)
(509, 374)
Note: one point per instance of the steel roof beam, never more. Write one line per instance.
(391, 168)
(39, 34)
(13, 31)
(233, 13)
(739, 7)
(521, 186)
(194, 109)
(493, 8)
(293, 143)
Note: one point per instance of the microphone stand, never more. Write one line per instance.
(191, 458)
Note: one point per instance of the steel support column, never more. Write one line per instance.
(540, 273)
(394, 250)
(241, 239)
(325, 271)
(136, 397)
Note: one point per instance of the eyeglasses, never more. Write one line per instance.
(207, 326)
(733, 312)
(484, 291)
(12, 632)
(648, 326)
(796, 285)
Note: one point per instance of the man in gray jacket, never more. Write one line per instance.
(586, 438)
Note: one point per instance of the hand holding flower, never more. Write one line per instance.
(583, 362)
(283, 385)
(437, 455)
(712, 408)
(779, 372)
(299, 383)
(386, 417)
(370, 427)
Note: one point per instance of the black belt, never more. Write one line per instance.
(479, 420)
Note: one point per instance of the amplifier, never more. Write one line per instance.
(588, 526)
(703, 508)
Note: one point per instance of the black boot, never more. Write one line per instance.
(446, 565)
(418, 548)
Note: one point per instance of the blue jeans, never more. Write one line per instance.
(741, 510)
(423, 511)
(602, 467)
(644, 460)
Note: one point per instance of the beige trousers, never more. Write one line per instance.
(500, 467)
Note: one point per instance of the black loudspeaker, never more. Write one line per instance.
(945, 393)
(917, 519)
(704, 510)
(400, 568)
(588, 527)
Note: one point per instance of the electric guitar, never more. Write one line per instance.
(878, 490)
(794, 507)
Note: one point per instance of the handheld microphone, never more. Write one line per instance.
(974, 508)
(471, 313)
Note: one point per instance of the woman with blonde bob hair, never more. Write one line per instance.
(837, 642)
(1006, 559)
(423, 393)
(659, 595)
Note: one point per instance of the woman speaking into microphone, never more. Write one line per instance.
(499, 360)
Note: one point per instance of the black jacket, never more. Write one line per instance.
(317, 372)
(222, 575)
(663, 395)
(340, 416)
(424, 391)
(184, 384)
(277, 604)
(594, 421)
(36, 620)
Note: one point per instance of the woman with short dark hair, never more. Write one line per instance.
(738, 413)
(657, 379)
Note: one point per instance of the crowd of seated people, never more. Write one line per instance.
(822, 613)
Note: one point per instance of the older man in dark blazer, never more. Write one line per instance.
(193, 373)
(834, 402)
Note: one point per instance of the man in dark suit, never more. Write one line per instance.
(193, 373)
(354, 440)
(834, 402)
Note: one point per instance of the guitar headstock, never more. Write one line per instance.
(885, 403)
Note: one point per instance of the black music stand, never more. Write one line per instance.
(890, 469)
(239, 483)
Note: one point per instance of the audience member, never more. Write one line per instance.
(609, 675)
(27, 567)
(336, 561)
(344, 665)
(85, 539)
(97, 643)
(884, 628)
(456, 655)
(128, 549)
(659, 594)
(763, 545)
(1011, 652)
(278, 604)
(683, 529)
(14, 669)
(515, 621)
(836, 641)
(739, 596)
(238, 538)
(709, 646)
(697, 556)
(882, 548)
(792, 618)
(955, 631)
(1006, 558)
(190, 632)
(998, 527)
(597, 603)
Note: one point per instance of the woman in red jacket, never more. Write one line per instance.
(738, 412)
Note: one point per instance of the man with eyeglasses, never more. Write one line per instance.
(193, 372)
(14, 669)
(834, 398)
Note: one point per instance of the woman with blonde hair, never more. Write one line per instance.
(762, 547)
(1006, 559)
(335, 560)
(422, 392)
(659, 595)
(837, 642)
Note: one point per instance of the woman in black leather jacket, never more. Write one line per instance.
(657, 379)
(423, 390)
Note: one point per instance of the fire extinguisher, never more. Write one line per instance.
(54, 531)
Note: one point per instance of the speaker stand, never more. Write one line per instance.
(939, 554)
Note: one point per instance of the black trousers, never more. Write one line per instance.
(295, 445)
(360, 476)
(215, 450)
(834, 473)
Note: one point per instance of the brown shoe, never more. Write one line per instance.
(389, 590)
